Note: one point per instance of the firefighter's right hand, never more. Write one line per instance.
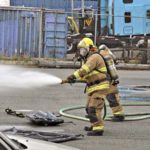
(71, 79)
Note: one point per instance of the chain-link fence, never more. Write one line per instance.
(123, 25)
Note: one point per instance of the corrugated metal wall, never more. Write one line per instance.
(55, 35)
(22, 33)
(53, 4)
(50, 4)
(19, 34)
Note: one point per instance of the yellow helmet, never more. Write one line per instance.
(85, 43)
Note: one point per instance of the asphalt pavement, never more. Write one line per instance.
(128, 135)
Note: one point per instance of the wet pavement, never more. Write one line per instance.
(127, 135)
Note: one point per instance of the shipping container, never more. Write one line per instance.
(25, 32)
(19, 34)
(54, 4)
(55, 32)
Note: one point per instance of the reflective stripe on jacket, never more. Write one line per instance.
(93, 70)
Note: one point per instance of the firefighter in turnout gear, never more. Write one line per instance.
(113, 93)
(94, 72)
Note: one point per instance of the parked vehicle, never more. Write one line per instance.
(13, 142)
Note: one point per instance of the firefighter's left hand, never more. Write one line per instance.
(115, 82)
(116, 62)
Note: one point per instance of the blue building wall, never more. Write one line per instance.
(104, 15)
(139, 23)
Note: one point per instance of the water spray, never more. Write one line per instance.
(17, 77)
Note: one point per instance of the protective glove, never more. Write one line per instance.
(71, 79)
(115, 82)
(64, 81)
(116, 62)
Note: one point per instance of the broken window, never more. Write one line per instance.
(148, 14)
(127, 16)
(127, 1)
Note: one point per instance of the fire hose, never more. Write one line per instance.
(128, 117)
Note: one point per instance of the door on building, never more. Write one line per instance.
(147, 19)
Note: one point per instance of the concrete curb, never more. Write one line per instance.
(15, 62)
(70, 64)
(58, 64)
(133, 66)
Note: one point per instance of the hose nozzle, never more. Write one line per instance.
(64, 81)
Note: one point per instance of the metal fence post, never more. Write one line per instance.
(40, 34)
(95, 35)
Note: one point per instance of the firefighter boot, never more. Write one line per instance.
(86, 128)
(96, 131)
(118, 117)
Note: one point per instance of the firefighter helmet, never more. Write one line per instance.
(85, 43)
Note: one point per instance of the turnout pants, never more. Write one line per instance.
(114, 99)
(95, 104)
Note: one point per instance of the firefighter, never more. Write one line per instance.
(94, 72)
(113, 93)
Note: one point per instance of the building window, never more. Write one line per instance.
(127, 1)
(127, 17)
(148, 14)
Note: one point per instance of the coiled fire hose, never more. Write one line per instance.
(128, 117)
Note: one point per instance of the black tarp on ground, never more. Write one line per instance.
(46, 136)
